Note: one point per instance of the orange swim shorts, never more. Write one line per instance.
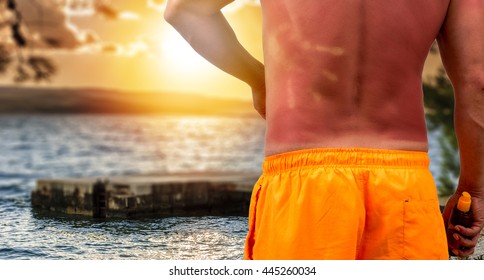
(346, 204)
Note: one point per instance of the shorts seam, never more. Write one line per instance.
(326, 166)
(349, 150)
(252, 224)
(403, 228)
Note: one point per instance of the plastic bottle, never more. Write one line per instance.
(461, 215)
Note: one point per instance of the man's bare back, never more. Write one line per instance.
(347, 73)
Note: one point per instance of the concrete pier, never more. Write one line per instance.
(159, 195)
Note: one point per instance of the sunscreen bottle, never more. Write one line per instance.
(461, 215)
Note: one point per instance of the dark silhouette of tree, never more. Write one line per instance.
(5, 59)
(36, 68)
(439, 104)
(28, 67)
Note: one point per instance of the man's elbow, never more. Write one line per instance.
(478, 80)
(173, 10)
(474, 80)
(469, 91)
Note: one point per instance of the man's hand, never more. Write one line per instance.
(466, 238)
(259, 100)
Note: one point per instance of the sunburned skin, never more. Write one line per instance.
(347, 73)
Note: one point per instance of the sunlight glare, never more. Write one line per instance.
(179, 55)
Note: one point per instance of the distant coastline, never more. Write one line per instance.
(23, 100)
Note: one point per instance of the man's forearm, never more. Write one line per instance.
(469, 124)
(209, 33)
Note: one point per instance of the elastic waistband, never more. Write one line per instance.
(355, 157)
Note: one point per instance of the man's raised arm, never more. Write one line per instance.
(203, 25)
(461, 43)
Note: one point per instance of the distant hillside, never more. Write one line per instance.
(100, 101)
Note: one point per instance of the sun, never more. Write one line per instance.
(179, 56)
(181, 69)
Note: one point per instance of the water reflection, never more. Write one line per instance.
(175, 238)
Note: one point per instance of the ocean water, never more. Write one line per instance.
(33, 147)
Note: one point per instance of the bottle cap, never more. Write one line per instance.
(464, 203)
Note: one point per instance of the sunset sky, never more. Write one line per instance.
(136, 51)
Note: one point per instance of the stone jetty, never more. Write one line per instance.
(148, 195)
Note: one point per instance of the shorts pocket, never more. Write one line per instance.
(423, 231)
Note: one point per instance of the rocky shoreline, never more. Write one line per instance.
(478, 253)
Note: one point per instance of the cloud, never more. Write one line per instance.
(78, 8)
(110, 48)
(250, 2)
(135, 48)
(89, 37)
(45, 25)
(236, 5)
(66, 24)
(107, 11)
(158, 5)
(128, 15)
